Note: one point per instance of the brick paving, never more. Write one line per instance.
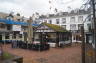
(70, 54)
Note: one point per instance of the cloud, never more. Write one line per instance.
(28, 7)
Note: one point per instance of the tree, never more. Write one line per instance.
(18, 14)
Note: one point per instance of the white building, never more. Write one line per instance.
(71, 21)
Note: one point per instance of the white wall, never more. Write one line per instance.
(68, 21)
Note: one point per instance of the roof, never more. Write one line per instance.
(55, 27)
(3, 15)
(7, 21)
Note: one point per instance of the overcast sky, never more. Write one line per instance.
(28, 7)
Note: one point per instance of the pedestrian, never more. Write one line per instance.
(1, 50)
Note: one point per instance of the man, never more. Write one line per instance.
(1, 50)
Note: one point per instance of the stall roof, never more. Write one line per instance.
(55, 27)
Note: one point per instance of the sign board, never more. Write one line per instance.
(90, 53)
(21, 32)
(16, 28)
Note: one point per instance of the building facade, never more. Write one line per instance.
(71, 21)
(13, 27)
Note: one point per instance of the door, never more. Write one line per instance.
(0, 37)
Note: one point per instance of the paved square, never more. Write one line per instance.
(71, 54)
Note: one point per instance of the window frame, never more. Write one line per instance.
(80, 18)
(63, 20)
(57, 21)
(72, 19)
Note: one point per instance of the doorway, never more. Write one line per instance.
(0, 37)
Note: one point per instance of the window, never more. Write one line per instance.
(2, 25)
(89, 27)
(7, 37)
(14, 36)
(72, 19)
(78, 37)
(57, 21)
(20, 35)
(63, 20)
(89, 19)
(64, 26)
(80, 18)
(73, 27)
(50, 21)
(79, 26)
(45, 21)
(0, 37)
(9, 27)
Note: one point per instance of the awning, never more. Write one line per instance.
(7, 21)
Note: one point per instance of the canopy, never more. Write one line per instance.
(8, 21)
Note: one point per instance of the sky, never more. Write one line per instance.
(28, 7)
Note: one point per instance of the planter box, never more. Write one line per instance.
(12, 59)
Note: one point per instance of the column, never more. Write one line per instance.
(10, 37)
(17, 37)
(22, 37)
(3, 36)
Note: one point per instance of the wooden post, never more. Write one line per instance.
(83, 44)
(57, 39)
(41, 38)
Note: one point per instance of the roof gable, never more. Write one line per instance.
(44, 28)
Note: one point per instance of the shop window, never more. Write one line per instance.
(14, 36)
(78, 38)
(0, 37)
(64, 26)
(20, 35)
(7, 37)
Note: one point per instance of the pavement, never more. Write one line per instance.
(70, 54)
